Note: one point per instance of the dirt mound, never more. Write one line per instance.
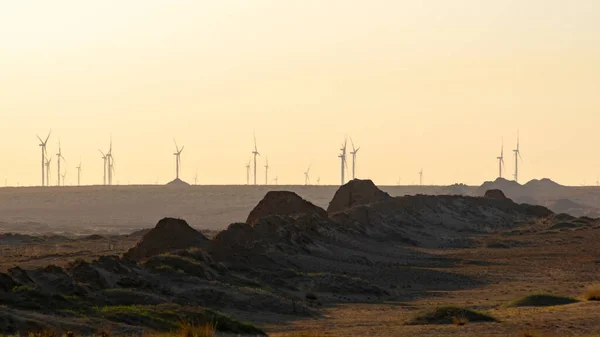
(356, 192)
(495, 194)
(168, 235)
(178, 183)
(283, 203)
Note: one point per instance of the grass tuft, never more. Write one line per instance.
(541, 300)
(592, 293)
(450, 315)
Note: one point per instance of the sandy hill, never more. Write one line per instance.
(168, 235)
(283, 203)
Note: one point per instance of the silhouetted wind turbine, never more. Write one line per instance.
(421, 177)
(177, 159)
(78, 174)
(248, 173)
(255, 153)
(342, 156)
(501, 160)
(306, 175)
(43, 145)
(276, 180)
(353, 153)
(319, 181)
(48, 161)
(104, 158)
(59, 157)
(517, 157)
(196, 178)
(267, 171)
(110, 163)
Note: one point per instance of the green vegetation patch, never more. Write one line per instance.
(541, 300)
(167, 317)
(449, 315)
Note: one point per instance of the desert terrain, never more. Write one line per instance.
(317, 261)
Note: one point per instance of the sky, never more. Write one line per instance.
(434, 84)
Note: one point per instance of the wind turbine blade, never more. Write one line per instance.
(49, 133)
(183, 147)
(352, 142)
(41, 141)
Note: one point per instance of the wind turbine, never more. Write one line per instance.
(104, 158)
(48, 161)
(63, 177)
(342, 156)
(319, 181)
(267, 171)
(276, 180)
(421, 177)
(248, 173)
(110, 163)
(501, 160)
(177, 158)
(59, 157)
(255, 153)
(353, 153)
(43, 145)
(306, 176)
(78, 174)
(517, 157)
(196, 178)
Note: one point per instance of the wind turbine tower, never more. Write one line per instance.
(59, 157)
(255, 153)
(104, 158)
(267, 171)
(248, 173)
(342, 156)
(110, 163)
(517, 152)
(353, 153)
(43, 146)
(421, 177)
(48, 161)
(306, 176)
(177, 159)
(79, 174)
(501, 160)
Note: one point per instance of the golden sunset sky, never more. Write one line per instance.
(432, 84)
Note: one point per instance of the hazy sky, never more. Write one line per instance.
(432, 84)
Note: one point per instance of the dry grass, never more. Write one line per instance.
(460, 320)
(308, 334)
(541, 300)
(592, 293)
(449, 315)
(205, 330)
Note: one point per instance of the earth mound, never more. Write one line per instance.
(178, 183)
(495, 194)
(282, 203)
(356, 192)
(168, 235)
